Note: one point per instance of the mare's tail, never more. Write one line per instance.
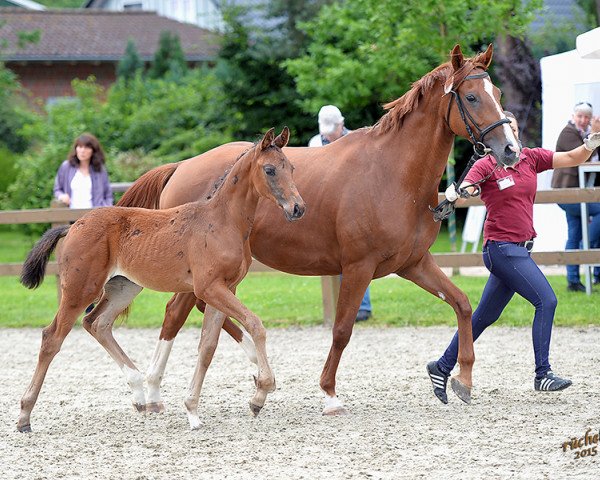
(146, 190)
(34, 267)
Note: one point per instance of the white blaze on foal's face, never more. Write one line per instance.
(508, 131)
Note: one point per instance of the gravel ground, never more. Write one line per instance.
(85, 427)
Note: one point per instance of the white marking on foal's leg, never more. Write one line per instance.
(442, 296)
(156, 370)
(249, 348)
(333, 405)
(136, 381)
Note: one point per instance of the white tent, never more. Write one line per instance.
(567, 78)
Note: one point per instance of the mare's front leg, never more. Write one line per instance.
(430, 277)
(219, 296)
(117, 295)
(176, 314)
(209, 338)
(355, 280)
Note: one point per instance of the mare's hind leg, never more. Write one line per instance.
(52, 339)
(209, 338)
(355, 281)
(220, 297)
(118, 294)
(427, 275)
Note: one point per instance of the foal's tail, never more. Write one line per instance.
(34, 267)
(146, 190)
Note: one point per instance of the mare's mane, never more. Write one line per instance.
(399, 108)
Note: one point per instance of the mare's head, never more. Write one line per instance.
(272, 174)
(473, 110)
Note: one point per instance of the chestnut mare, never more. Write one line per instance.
(368, 194)
(200, 247)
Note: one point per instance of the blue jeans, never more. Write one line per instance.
(512, 270)
(575, 235)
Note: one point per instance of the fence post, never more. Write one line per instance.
(57, 253)
(330, 289)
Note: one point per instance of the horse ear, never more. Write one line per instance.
(267, 139)
(283, 138)
(486, 57)
(456, 57)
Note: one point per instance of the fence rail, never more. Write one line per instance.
(330, 285)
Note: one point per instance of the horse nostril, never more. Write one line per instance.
(509, 150)
(297, 211)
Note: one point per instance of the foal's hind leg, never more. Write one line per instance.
(427, 275)
(209, 338)
(52, 339)
(118, 294)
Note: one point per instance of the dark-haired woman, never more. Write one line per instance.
(82, 179)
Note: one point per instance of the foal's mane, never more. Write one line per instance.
(408, 102)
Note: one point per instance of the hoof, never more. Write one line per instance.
(139, 407)
(155, 407)
(255, 409)
(336, 411)
(462, 391)
(24, 428)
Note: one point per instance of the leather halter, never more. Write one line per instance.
(479, 146)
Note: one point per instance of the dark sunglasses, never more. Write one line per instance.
(584, 103)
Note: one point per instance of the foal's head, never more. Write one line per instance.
(272, 174)
(474, 109)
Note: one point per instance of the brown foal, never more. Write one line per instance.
(201, 247)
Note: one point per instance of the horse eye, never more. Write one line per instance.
(471, 98)
(270, 170)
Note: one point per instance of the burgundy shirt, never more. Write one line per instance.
(509, 194)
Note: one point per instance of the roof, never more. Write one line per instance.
(24, 4)
(93, 35)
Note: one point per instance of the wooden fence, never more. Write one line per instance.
(330, 285)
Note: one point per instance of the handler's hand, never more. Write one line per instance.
(451, 194)
(65, 198)
(592, 142)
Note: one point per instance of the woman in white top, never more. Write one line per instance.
(82, 179)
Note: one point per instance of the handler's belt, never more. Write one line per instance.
(528, 244)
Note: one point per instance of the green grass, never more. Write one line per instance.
(285, 300)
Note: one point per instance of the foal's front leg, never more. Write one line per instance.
(209, 338)
(220, 297)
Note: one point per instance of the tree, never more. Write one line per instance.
(251, 67)
(131, 63)
(364, 52)
(169, 57)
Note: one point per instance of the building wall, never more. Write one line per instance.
(51, 80)
(203, 13)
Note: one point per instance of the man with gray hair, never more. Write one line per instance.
(572, 136)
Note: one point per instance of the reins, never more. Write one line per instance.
(446, 208)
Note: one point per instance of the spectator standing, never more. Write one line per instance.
(577, 129)
(82, 179)
(332, 128)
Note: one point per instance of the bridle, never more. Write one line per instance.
(445, 208)
(479, 146)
